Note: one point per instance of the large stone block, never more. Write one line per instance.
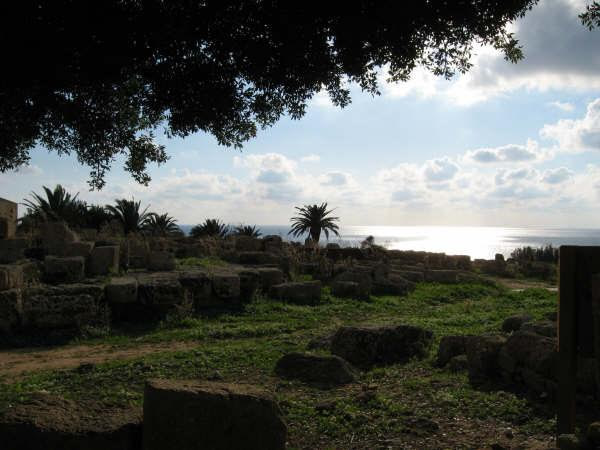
(410, 275)
(451, 346)
(81, 248)
(104, 260)
(365, 347)
(8, 218)
(258, 258)
(11, 276)
(249, 284)
(270, 276)
(346, 289)
(272, 243)
(188, 415)
(54, 236)
(161, 260)
(50, 422)
(139, 253)
(394, 285)
(121, 290)
(160, 293)
(248, 244)
(322, 370)
(12, 250)
(301, 292)
(226, 286)
(64, 270)
(65, 307)
(482, 357)
(361, 277)
(199, 287)
(11, 308)
(441, 276)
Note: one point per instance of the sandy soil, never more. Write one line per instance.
(15, 363)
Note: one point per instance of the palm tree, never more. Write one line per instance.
(162, 225)
(313, 219)
(247, 230)
(95, 216)
(127, 212)
(58, 205)
(210, 227)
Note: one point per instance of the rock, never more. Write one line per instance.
(346, 289)
(524, 349)
(55, 235)
(121, 290)
(78, 249)
(410, 275)
(320, 343)
(12, 250)
(11, 276)
(394, 285)
(568, 442)
(451, 346)
(270, 276)
(104, 260)
(217, 416)
(11, 308)
(482, 356)
(226, 286)
(249, 284)
(258, 258)
(441, 276)
(139, 253)
(363, 287)
(543, 328)
(66, 308)
(248, 244)
(514, 323)
(160, 292)
(161, 261)
(593, 433)
(273, 243)
(198, 285)
(365, 347)
(49, 422)
(458, 363)
(64, 270)
(324, 370)
(301, 292)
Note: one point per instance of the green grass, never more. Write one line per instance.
(244, 346)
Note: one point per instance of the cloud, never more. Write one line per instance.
(335, 179)
(557, 176)
(512, 153)
(577, 135)
(271, 177)
(564, 106)
(312, 158)
(31, 169)
(437, 170)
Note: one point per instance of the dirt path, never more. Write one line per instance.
(15, 363)
(519, 284)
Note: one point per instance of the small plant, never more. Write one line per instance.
(247, 230)
(313, 219)
(210, 228)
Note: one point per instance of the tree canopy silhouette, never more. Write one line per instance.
(98, 79)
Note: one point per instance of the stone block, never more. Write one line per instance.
(248, 244)
(514, 323)
(64, 270)
(543, 328)
(394, 285)
(441, 276)
(258, 258)
(410, 275)
(81, 248)
(322, 370)
(12, 250)
(482, 356)
(226, 286)
(68, 307)
(346, 289)
(199, 287)
(189, 415)
(104, 260)
(8, 218)
(272, 243)
(361, 277)
(11, 308)
(54, 236)
(50, 422)
(366, 347)
(249, 284)
(160, 292)
(11, 276)
(302, 292)
(270, 276)
(121, 290)
(139, 253)
(161, 261)
(451, 346)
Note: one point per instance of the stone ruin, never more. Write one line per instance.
(8, 219)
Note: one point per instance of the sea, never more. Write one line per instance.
(477, 242)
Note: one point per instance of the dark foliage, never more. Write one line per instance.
(129, 215)
(57, 205)
(210, 228)
(247, 230)
(162, 225)
(97, 79)
(313, 219)
(591, 17)
(547, 253)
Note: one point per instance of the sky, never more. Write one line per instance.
(503, 145)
